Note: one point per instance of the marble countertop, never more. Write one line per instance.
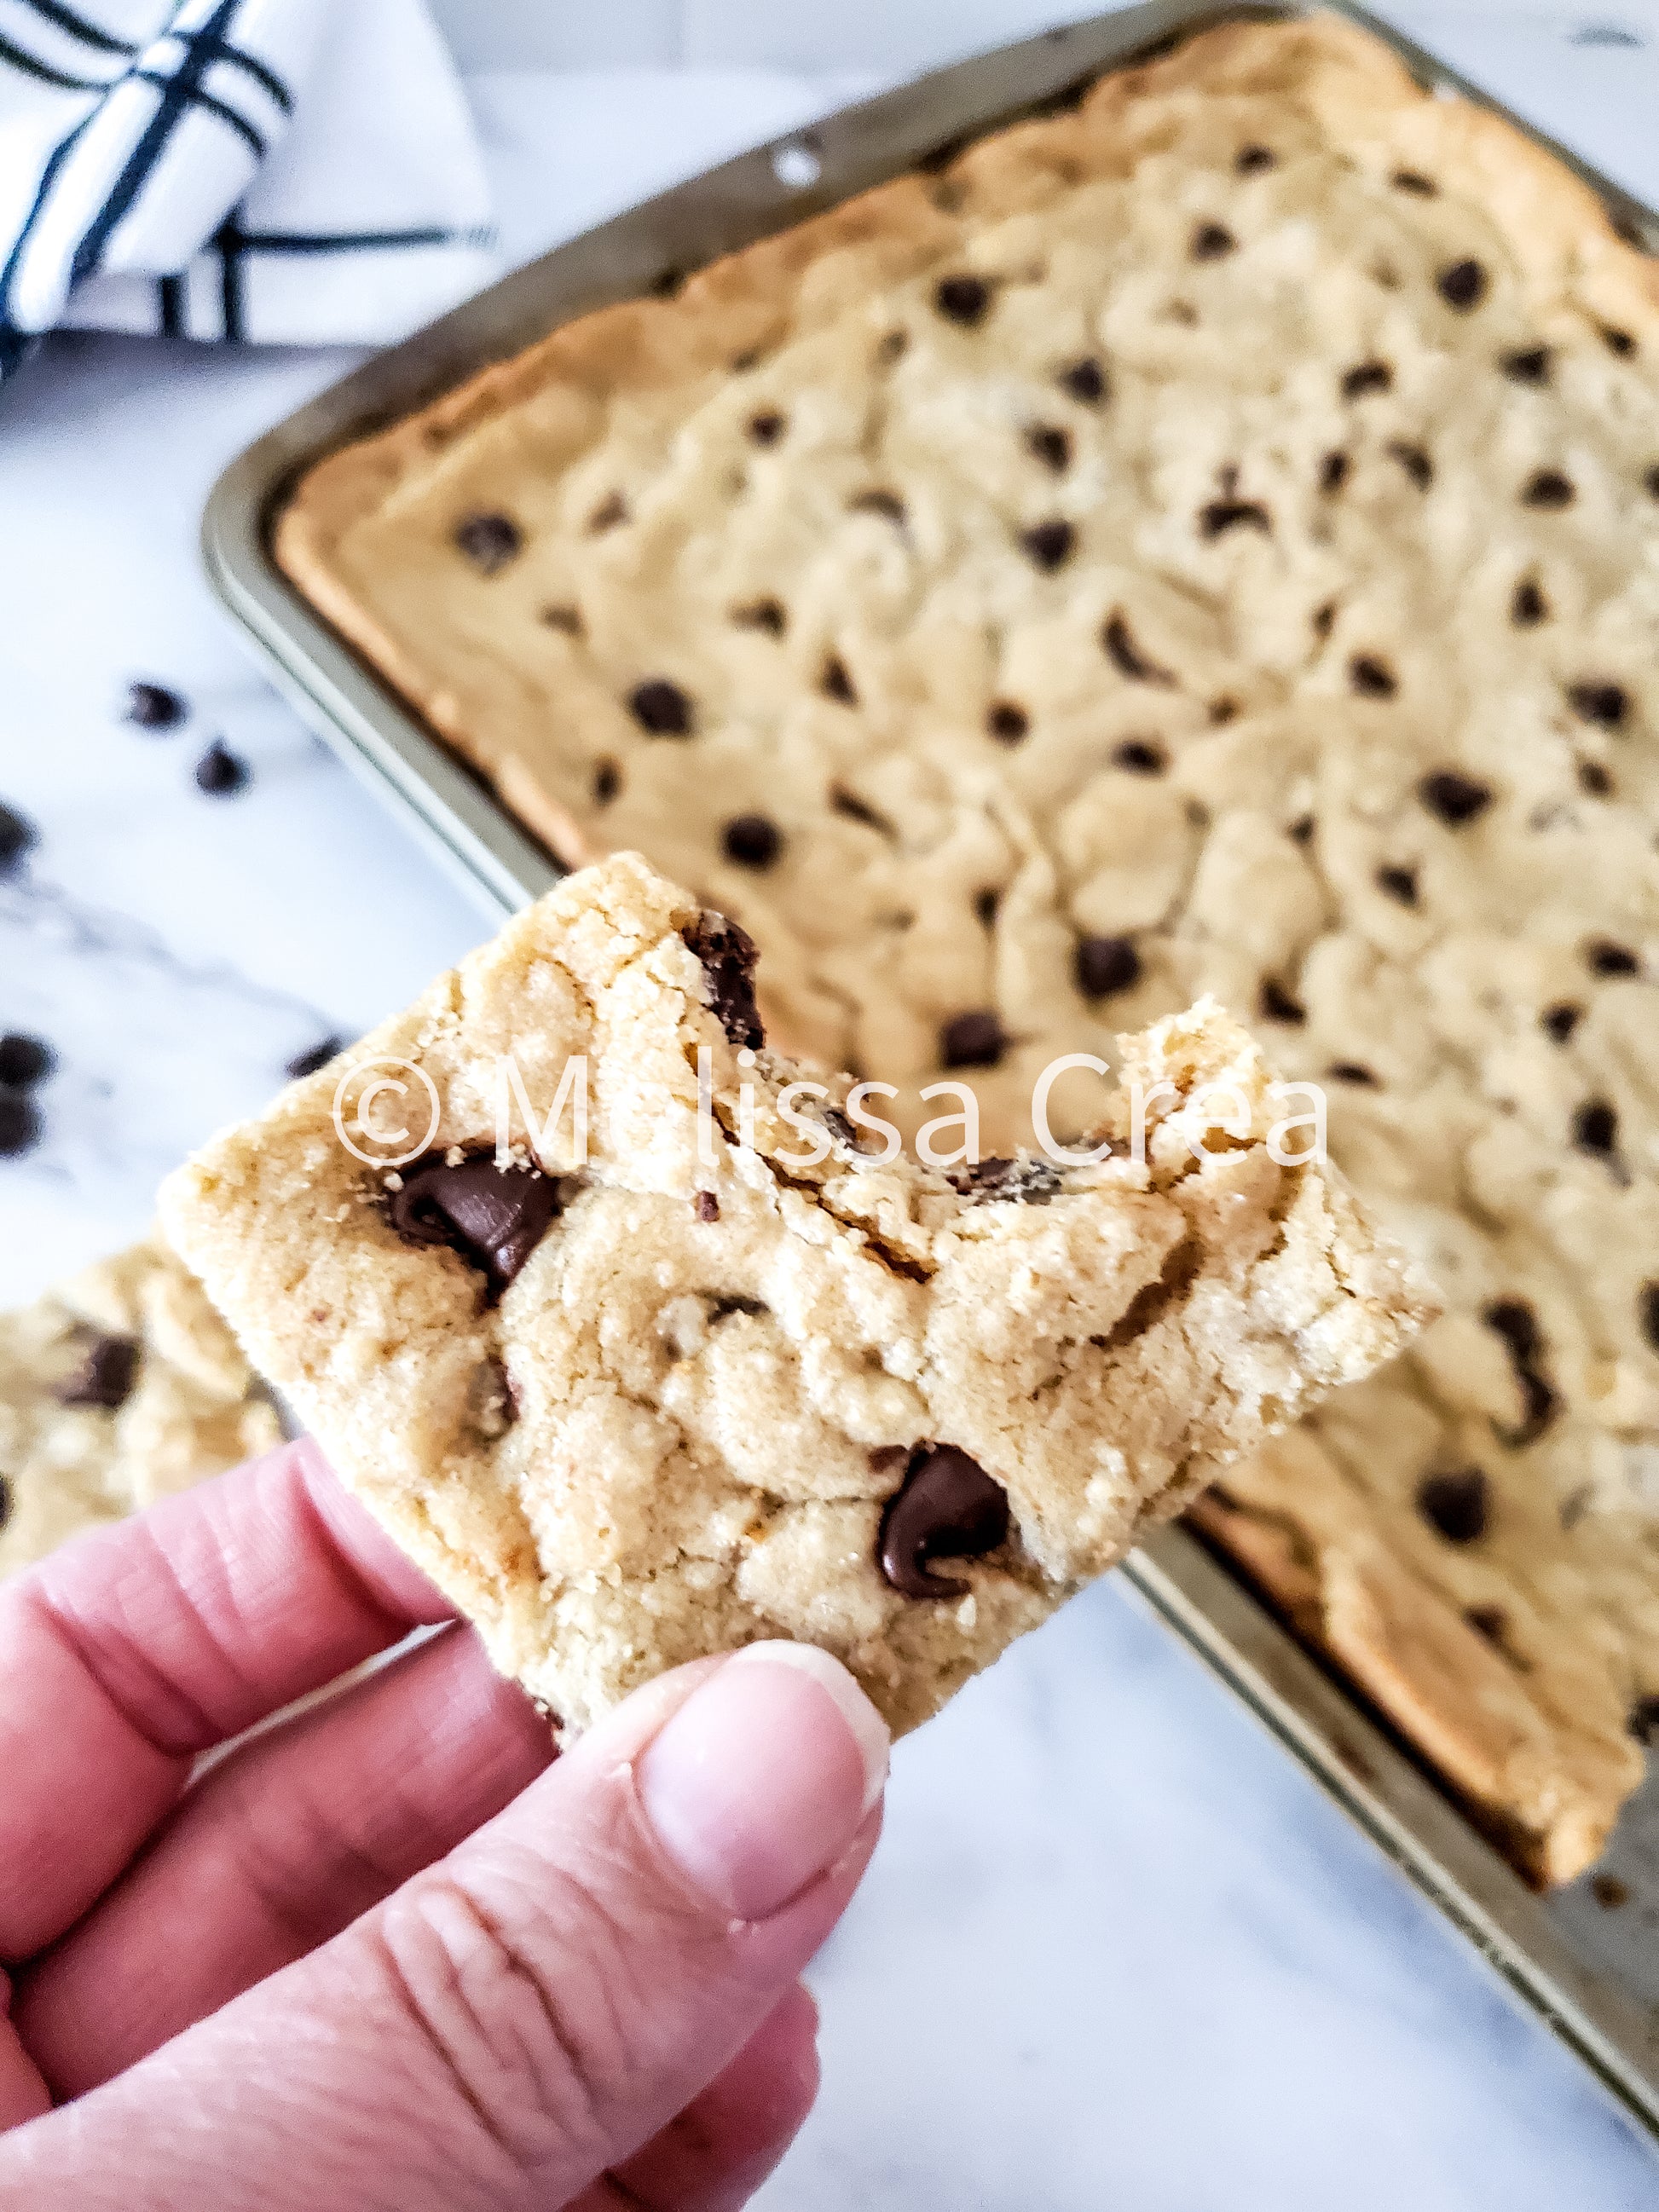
(1115, 1949)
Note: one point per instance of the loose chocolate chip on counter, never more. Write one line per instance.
(610, 514)
(154, 706)
(1643, 1719)
(1224, 514)
(1367, 376)
(1334, 472)
(318, 1057)
(835, 683)
(1048, 545)
(1399, 884)
(728, 955)
(1051, 445)
(1548, 489)
(1414, 461)
(1103, 966)
(1606, 958)
(766, 427)
(875, 500)
(948, 1508)
(1647, 1307)
(1515, 1321)
(973, 1040)
(1530, 365)
(1277, 1004)
(221, 773)
(20, 1124)
(1606, 705)
(1414, 181)
(1211, 242)
(18, 836)
(751, 841)
(607, 781)
(1527, 606)
(1455, 1505)
(1617, 342)
(1462, 285)
(1250, 159)
(25, 1060)
(1595, 1128)
(1141, 757)
(1007, 722)
(1559, 1022)
(489, 541)
(1126, 656)
(661, 708)
(494, 1217)
(1084, 381)
(1371, 677)
(964, 300)
(708, 1205)
(1609, 1892)
(1354, 1072)
(1030, 1183)
(986, 904)
(105, 1376)
(766, 615)
(1454, 798)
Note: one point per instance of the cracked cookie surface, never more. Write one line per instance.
(668, 1392)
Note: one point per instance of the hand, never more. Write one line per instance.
(303, 1983)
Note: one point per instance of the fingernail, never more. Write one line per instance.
(762, 1779)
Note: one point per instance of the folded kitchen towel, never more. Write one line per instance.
(289, 171)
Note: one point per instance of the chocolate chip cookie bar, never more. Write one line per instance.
(703, 1369)
(1202, 540)
(117, 1388)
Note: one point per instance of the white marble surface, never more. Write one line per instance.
(1115, 1951)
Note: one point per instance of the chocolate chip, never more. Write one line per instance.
(1606, 705)
(154, 706)
(1488, 1621)
(893, 345)
(5, 1501)
(1052, 447)
(1371, 677)
(1141, 757)
(948, 1508)
(1548, 488)
(708, 1207)
(1105, 965)
(1334, 472)
(661, 708)
(25, 1060)
(1647, 1307)
(610, 514)
(728, 955)
(847, 802)
(1007, 722)
(964, 300)
(1462, 285)
(1279, 1006)
(835, 683)
(1211, 242)
(316, 1057)
(1609, 1892)
(1595, 1128)
(565, 619)
(751, 841)
(766, 427)
(18, 836)
(489, 541)
(1084, 381)
(1414, 461)
(1301, 831)
(607, 781)
(1455, 1505)
(761, 614)
(1367, 376)
(1250, 159)
(220, 772)
(1354, 1072)
(887, 504)
(1029, 1182)
(1593, 779)
(105, 1376)
(1455, 798)
(1222, 710)
(1530, 365)
(1617, 342)
(1643, 1720)
(1126, 656)
(1224, 514)
(973, 1040)
(1414, 181)
(1607, 958)
(986, 904)
(494, 1217)
(20, 1124)
(1650, 483)
(1399, 884)
(1514, 1321)
(1048, 545)
(1559, 1022)
(1527, 605)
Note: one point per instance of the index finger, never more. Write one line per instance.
(134, 1649)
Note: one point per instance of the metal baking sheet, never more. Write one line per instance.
(1585, 1959)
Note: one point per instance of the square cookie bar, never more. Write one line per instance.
(700, 1373)
(117, 1388)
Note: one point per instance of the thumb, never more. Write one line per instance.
(523, 2016)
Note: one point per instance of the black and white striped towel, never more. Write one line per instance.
(298, 171)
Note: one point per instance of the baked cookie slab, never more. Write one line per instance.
(660, 1393)
(119, 1387)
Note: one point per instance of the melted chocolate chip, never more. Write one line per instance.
(1414, 461)
(25, 1060)
(1595, 1128)
(948, 1508)
(105, 1376)
(1527, 606)
(1454, 798)
(1250, 159)
(318, 1057)
(973, 1040)
(1367, 376)
(1559, 1021)
(1607, 958)
(728, 955)
(1604, 705)
(1084, 381)
(154, 706)
(1030, 1183)
(1455, 1505)
(1371, 677)
(1515, 1321)
(1223, 514)
(751, 841)
(607, 782)
(489, 541)
(1398, 884)
(1211, 242)
(1647, 1307)
(708, 1205)
(964, 300)
(1007, 722)
(1617, 342)
(766, 615)
(1549, 489)
(766, 427)
(1333, 472)
(875, 500)
(1277, 1004)
(1414, 181)
(494, 1217)
(1126, 656)
(1048, 545)
(1462, 285)
(1052, 447)
(661, 708)
(18, 836)
(1142, 758)
(220, 772)
(1103, 966)
(1354, 1072)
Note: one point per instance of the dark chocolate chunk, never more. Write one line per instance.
(1279, 1004)
(1606, 705)
(1399, 884)
(1455, 1505)
(973, 1040)
(766, 427)
(1250, 159)
(1084, 381)
(752, 841)
(1414, 181)
(661, 708)
(728, 955)
(1559, 1021)
(1371, 677)
(315, 1057)
(1007, 722)
(1211, 242)
(221, 773)
(1354, 1072)
(607, 781)
(1052, 447)
(948, 1508)
(1515, 1321)
(1367, 376)
(708, 1207)
(1103, 966)
(1527, 605)
(1126, 656)
(1617, 342)
(1334, 472)
(1224, 514)
(1030, 1182)
(1462, 285)
(489, 541)
(1607, 958)
(1048, 545)
(964, 300)
(1455, 798)
(835, 683)
(1643, 1720)
(1530, 365)
(1414, 461)
(25, 1060)
(875, 500)
(1548, 488)
(1595, 1127)
(494, 1217)
(986, 904)
(154, 706)
(1648, 1306)
(18, 836)
(105, 1376)
(1141, 757)
(767, 615)
(20, 1124)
